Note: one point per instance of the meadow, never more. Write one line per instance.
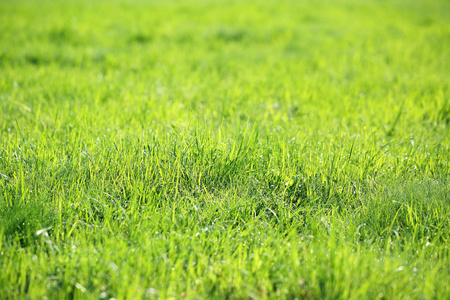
(224, 149)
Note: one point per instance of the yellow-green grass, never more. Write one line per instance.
(224, 149)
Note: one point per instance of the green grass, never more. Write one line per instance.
(225, 149)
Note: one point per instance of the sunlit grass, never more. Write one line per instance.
(238, 149)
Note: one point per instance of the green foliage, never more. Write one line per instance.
(224, 149)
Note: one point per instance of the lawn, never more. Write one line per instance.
(225, 149)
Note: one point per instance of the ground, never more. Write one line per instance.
(224, 149)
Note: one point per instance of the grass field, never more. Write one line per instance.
(225, 149)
